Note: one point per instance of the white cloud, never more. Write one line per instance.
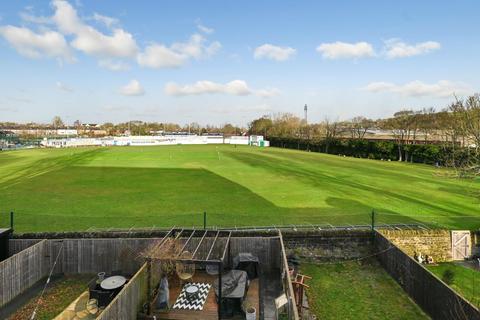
(394, 48)
(28, 17)
(133, 88)
(268, 92)
(441, 89)
(235, 87)
(196, 47)
(343, 50)
(111, 47)
(161, 56)
(88, 39)
(205, 29)
(63, 87)
(36, 45)
(113, 65)
(107, 21)
(277, 53)
(213, 48)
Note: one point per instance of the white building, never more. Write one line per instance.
(153, 141)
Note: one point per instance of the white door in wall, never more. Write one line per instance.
(461, 244)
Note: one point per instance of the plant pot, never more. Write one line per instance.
(251, 313)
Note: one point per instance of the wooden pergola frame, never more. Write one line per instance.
(176, 233)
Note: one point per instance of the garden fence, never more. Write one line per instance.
(428, 291)
(22, 270)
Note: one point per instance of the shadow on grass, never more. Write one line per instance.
(46, 165)
(334, 181)
(80, 197)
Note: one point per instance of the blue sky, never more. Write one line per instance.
(214, 62)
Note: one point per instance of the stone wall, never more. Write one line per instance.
(325, 245)
(476, 243)
(434, 243)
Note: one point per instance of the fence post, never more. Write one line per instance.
(149, 285)
(373, 221)
(11, 220)
(204, 220)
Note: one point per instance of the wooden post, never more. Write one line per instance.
(204, 220)
(11, 220)
(219, 305)
(149, 286)
(373, 225)
(373, 220)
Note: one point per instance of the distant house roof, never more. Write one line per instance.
(6, 133)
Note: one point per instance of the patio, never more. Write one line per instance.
(230, 273)
(210, 310)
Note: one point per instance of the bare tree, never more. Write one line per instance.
(359, 126)
(402, 125)
(57, 122)
(465, 131)
(331, 131)
(427, 123)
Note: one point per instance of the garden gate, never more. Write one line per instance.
(461, 245)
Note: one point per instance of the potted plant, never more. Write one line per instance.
(250, 311)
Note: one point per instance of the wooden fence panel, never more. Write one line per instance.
(128, 302)
(17, 245)
(92, 255)
(267, 249)
(22, 270)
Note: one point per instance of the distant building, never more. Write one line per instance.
(8, 139)
(67, 132)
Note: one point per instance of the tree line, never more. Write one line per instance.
(449, 137)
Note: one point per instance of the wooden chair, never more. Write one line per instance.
(185, 271)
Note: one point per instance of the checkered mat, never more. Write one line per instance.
(196, 304)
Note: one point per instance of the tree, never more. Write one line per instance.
(359, 126)
(229, 129)
(331, 130)
(465, 130)
(109, 128)
(286, 125)
(57, 122)
(427, 123)
(402, 125)
(260, 126)
(193, 127)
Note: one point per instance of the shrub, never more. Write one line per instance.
(387, 150)
(448, 276)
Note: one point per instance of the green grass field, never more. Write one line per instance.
(465, 281)
(357, 290)
(76, 189)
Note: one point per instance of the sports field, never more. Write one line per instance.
(123, 187)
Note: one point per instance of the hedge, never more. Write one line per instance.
(359, 148)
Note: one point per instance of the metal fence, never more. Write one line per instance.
(428, 291)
